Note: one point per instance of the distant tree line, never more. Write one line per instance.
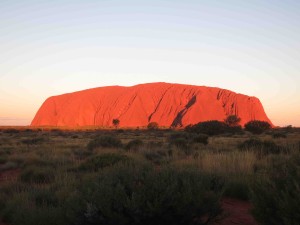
(231, 124)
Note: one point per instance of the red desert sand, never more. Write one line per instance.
(236, 212)
(167, 104)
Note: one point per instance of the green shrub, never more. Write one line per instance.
(276, 199)
(177, 135)
(181, 143)
(262, 148)
(33, 141)
(37, 175)
(257, 126)
(29, 214)
(157, 157)
(134, 145)
(184, 141)
(104, 160)
(234, 130)
(279, 135)
(210, 128)
(116, 122)
(104, 141)
(59, 132)
(45, 197)
(155, 144)
(201, 138)
(131, 195)
(81, 154)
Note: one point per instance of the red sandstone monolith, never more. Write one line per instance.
(167, 104)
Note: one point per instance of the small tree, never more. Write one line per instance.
(232, 120)
(257, 126)
(152, 126)
(116, 122)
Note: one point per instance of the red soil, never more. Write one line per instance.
(136, 106)
(236, 212)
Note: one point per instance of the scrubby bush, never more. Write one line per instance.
(45, 197)
(59, 132)
(276, 199)
(116, 122)
(81, 154)
(37, 175)
(11, 131)
(120, 131)
(262, 148)
(155, 145)
(278, 135)
(152, 126)
(130, 195)
(157, 157)
(28, 213)
(101, 161)
(210, 128)
(104, 141)
(179, 134)
(235, 130)
(232, 120)
(257, 126)
(134, 145)
(184, 141)
(188, 138)
(201, 138)
(181, 143)
(33, 141)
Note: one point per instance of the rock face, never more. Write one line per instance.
(167, 104)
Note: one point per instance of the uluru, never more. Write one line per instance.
(168, 104)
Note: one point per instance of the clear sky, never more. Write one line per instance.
(58, 46)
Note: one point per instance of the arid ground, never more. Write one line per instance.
(51, 176)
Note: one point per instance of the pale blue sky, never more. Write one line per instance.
(52, 47)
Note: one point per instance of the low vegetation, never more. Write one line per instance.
(257, 127)
(148, 176)
(153, 126)
(104, 142)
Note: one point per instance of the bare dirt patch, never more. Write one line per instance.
(236, 212)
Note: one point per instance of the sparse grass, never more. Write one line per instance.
(104, 142)
(59, 169)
